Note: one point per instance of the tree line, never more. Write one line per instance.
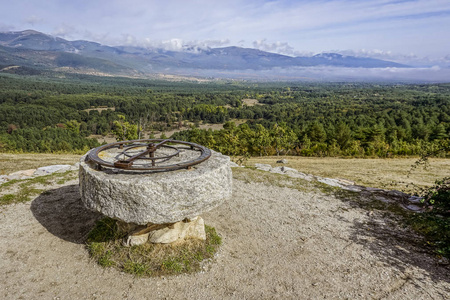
(289, 118)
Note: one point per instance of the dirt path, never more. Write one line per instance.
(278, 243)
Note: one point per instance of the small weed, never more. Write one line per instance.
(25, 194)
(9, 183)
(172, 265)
(44, 180)
(136, 268)
(105, 260)
(199, 256)
(7, 199)
(104, 244)
(65, 179)
(213, 236)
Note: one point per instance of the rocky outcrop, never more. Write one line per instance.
(42, 171)
(406, 201)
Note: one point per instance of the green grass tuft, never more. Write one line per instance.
(104, 244)
(7, 199)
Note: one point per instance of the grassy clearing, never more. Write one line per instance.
(104, 244)
(381, 173)
(10, 162)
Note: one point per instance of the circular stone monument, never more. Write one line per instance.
(148, 184)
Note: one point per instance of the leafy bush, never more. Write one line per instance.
(437, 198)
(434, 223)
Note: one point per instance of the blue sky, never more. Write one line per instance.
(398, 30)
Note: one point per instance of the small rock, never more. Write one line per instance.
(282, 161)
(330, 182)
(345, 181)
(277, 170)
(396, 193)
(371, 189)
(444, 261)
(263, 167)
(414, 208)
(353, 188)
(282, 170)
(180, 230)
(75, 167)
(135, 240)
(286, 169)
(415, 199)
(51, 169)
(23, 173)
(13, 177)
(233, 164)
(382, 198)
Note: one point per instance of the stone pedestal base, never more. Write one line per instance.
(162, 233)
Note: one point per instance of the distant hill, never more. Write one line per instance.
(36, 50)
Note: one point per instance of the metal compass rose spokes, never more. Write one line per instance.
(152, 154)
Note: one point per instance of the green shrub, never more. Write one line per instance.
(434, 223)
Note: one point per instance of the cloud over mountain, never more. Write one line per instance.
(33, 49)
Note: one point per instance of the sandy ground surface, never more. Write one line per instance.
(278, 243)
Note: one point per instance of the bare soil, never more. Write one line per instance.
(278, 243)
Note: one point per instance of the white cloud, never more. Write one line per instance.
(65, 31)
(181, 45)
(172, 44)
(277, 47)
(33, 20)
(288, 27)
(213, 43)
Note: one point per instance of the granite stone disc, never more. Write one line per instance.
(143, 197)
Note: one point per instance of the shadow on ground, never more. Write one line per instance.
(393, 243)
(62, 213)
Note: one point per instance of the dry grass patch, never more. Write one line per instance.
(251, 102)
(100, 108)
(251, 175)
(381, 173)
(10, 162)
(105, 246)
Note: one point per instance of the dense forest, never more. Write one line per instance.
(59, 114)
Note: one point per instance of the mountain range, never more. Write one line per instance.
(31, 51)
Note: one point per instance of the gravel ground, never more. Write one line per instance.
(278, 243)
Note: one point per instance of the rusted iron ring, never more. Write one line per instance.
(152, 145)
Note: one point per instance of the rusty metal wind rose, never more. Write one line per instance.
(151, 155)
